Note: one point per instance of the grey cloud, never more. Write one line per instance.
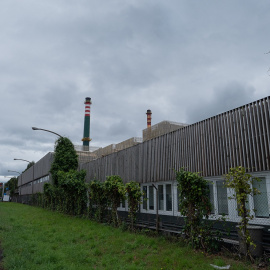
(184, 60)
(223, 98)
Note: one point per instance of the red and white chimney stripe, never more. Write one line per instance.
(87, 107)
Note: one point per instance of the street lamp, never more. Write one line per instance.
(22, 160)
(33, 173)
(35, 128)
(14, 171)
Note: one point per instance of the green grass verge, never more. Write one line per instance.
(36, 238)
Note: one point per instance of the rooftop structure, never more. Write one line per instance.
(160, 129)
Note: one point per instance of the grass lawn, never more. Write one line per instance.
(35, 238)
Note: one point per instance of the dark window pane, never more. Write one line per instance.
(151, 198)
(222, 198)
(211, 197)
(160, 198)
(145, 197)
(168, 197)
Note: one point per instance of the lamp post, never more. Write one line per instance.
(33, 172)
(14, 171)
(35, 128)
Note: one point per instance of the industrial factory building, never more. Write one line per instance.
(237, 137)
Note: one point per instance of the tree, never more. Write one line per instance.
(68, 193)
(12, 185)
(65, 158)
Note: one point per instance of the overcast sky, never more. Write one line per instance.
(184, 60)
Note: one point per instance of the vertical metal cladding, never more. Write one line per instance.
(149, 118)
(239, 137)
(86, 133)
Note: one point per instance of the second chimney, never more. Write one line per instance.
(149, 118)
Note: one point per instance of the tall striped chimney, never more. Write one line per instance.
(86, 132)
(149, 118)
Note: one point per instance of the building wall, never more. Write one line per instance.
(222, 200)
(238, 137)
(31, 181)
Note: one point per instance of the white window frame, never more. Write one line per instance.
(232, 204)
(123, 207)
(161, 212)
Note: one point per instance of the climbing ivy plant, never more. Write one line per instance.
(134, 196)
(116, 193)
(98, 197)
(49, 196)
(194, 204)
(74, 196)
(241, 182)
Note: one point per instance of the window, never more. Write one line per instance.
(222, 198)
(178, 198)
(123, 203)
(211, 197)
(151, 198)
(261, 200)
(160, 197)
(168, 197)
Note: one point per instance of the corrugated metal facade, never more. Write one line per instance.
(238, 137)
(41, 169)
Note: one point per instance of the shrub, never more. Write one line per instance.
(195, 206)
(98, 197)
(116, 193)
(134, 195)
(73, 190)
